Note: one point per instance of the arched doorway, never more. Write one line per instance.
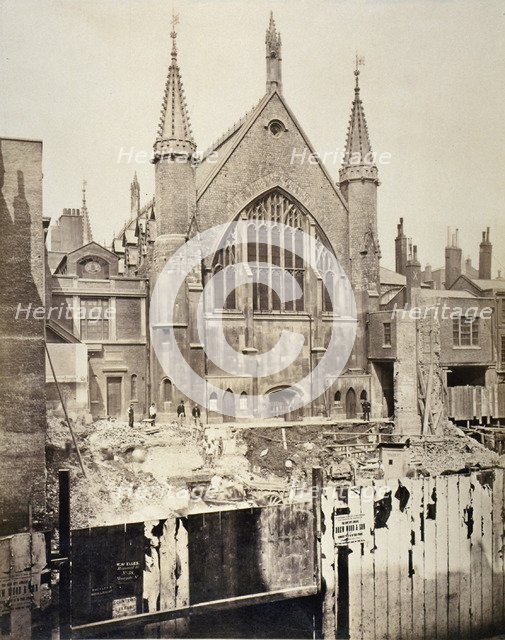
(281, 400)
(350, 404)
(228, 406)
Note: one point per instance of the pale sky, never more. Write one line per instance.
(87, 77)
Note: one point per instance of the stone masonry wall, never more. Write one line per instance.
(22, 378)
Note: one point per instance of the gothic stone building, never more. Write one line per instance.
(249, 174)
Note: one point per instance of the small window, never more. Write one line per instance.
(363, 395)
(276, 128)
(503, 350)
(387, 334)
(133, 387)
(337, 397)
(465, 332)
(213, 402)
(243, 402)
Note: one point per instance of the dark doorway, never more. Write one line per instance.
(114, 397)
(228, 406)
(350, 404)
(462, 376)
(384, 371)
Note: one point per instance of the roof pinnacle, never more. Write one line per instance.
(174, 131)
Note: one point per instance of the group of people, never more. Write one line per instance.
(181, 414)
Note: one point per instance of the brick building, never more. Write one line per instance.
(97, 334)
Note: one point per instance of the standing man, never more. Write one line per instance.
(152, 414)
(196, 417)
(181, 413)
(131, 416)
(366, 410)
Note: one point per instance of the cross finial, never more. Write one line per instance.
(360, 61)
(173, 34)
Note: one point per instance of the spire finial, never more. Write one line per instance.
(360, 62)
(84, 185)
(173, 34)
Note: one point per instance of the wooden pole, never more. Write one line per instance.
(64, 534)
(66, 414)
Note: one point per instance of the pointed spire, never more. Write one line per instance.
(357, 146)
(274, 57)
(135, 196)
(174, 131)
(87, 236)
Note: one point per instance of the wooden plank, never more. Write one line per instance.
(91, 630)
(499, 546)
(476, 558)
(367, 566)
(497, 550)
(498, 595)
(328, 562)
(441, 551)
(430, 564)
(454, 556)
(417, 550)
(394, 560)
(465, 584)
(381, 571)
(355, 601)
(405, 553)
(486, 481)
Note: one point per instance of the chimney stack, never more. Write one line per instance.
(413, 275)
(400, 250)
(485, 256)
(452, 259)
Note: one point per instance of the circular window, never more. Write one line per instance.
(276, 128)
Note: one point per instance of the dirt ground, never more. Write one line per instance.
(132, 475)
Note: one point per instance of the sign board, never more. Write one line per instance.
(350, 529)
(124, 607)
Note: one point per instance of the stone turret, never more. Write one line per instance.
(174, 149)
(358, 184)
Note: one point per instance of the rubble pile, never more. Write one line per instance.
(455, 451)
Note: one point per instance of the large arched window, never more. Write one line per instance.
(266, 244)
(279, 252)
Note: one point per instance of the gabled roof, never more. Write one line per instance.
(89, 245)
(496, 284)
(387, 276)
(237, 136)
(54, 259)
(61, 332)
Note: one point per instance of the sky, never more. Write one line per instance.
(87, 78)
